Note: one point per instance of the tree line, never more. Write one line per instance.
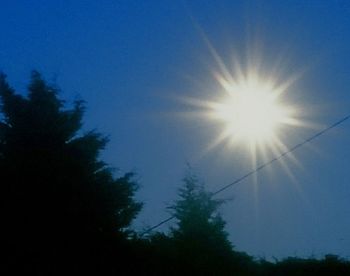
(64, 210)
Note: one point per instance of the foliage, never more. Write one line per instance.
(56, 193)
(198, 219)
(201, 242)
(63, 210)
(330, 265)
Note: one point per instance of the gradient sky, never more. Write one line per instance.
(132, 60)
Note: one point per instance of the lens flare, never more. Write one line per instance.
(251, 107)
(251, 110)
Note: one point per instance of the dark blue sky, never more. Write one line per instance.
(130, 60)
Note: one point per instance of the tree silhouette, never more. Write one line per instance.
(197, 214)
(199, 236)
(57, 195)
(63, 210)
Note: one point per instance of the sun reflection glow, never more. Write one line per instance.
(251, 107)
(251, 111)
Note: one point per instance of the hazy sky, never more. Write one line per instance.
(132, 61)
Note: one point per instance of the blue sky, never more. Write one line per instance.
(131, 61)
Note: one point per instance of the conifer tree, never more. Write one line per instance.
(200, 237)
(56, 192)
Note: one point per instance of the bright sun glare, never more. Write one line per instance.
(249, 107)
(251, 111)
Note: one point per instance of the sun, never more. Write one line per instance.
(251, 111)
(251, 108)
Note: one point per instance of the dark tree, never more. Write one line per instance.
(57, 196)
(197, 215)
(200, 238)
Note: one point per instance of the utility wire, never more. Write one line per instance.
(262, 166)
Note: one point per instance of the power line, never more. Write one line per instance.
(262, 166)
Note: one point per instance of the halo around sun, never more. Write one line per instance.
(249, 108)
(251, 111)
